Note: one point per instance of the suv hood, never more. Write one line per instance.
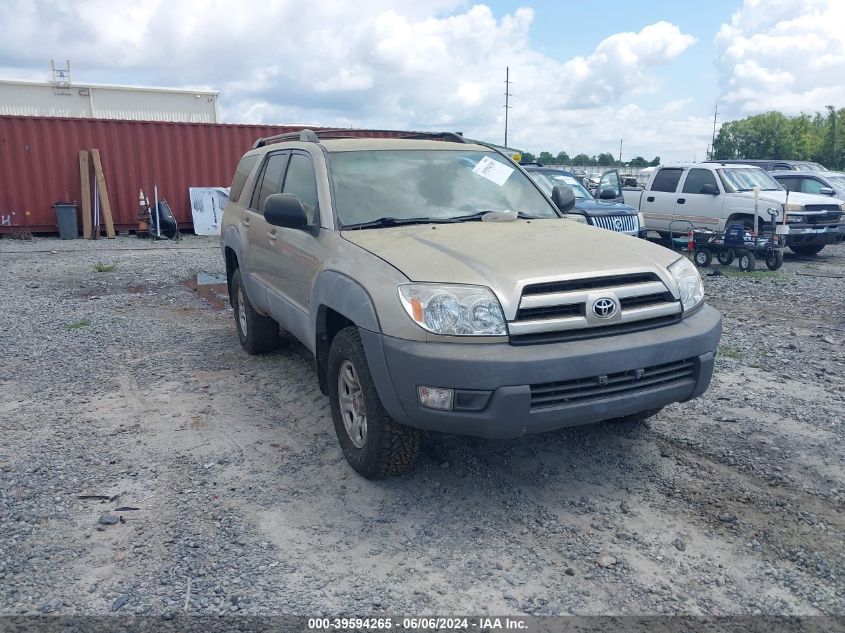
(604, 207)
(505, 256)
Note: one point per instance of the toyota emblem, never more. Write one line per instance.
(604, 308)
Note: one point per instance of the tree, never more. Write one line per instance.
(606, 159)
(562, 158)
(638, 161)
(528, 157)
(581, 160)
(655, 161)
(546, 158)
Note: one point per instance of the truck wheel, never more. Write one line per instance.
(774, 259)
(747, 262)
(638, 418)
(258, 334)
(373, 444)
(726, 257)
(806, 250)
(703, 258)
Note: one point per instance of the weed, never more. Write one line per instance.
(729, 352)
(100, 267)
(76, 325)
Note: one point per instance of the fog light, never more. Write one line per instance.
(435, 397)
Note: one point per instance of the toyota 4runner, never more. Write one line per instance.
(440, 289)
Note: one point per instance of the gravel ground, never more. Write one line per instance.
(217, 484)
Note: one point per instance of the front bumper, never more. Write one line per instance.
(812, 235)
(496, 380)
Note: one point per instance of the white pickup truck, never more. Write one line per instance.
(713, 195)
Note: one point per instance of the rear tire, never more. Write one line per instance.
(774, 259)
(703, 258)
(806, 250)
(372, 443)
(258, 334)
(726, 257)
(747, 262)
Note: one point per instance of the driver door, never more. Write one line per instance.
(610, 187)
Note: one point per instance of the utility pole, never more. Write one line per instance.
(713, 140)
(507, 106)
(620, 150)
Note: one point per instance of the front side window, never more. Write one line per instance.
(302, 182)
(697, 178)
(666, 180)
(746, 178)
(790, 183)
(811, 185)
(435, 185)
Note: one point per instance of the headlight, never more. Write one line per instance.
(689, 281)
(640, 219)
(455, 310)
(794, 207)
(842, 207)
(795, 218)
(576, 217)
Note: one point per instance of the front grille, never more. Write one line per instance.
(831, 217)
(822, 207)
(564, 309)
(566, 336)
(584, 390)
(620, 223)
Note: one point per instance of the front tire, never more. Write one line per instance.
(372, 443)
(774, 259)
(703, 258)
(747, 262)
(258, 334)
(806, 250)
(726, 257)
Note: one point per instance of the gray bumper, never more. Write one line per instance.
(809, 235)
(495, 381)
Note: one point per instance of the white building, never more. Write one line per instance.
(101, 101)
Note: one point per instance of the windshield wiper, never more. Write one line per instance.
(390, 221)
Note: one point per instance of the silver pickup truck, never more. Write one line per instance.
(439, 289)
(713, 195)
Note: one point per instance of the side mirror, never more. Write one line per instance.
(826, 191)
(563, 198)
(710, 189)
(285, 210)
(607, 194)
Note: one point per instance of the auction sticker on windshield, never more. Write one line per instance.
(493, 171)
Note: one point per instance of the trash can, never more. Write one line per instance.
(66, 219)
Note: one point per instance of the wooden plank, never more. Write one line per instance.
(85, 182)
(105, 207)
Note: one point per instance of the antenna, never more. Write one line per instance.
(61, 78)
(713, 140)
(508, 95)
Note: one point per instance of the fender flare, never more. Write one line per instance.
(346, 296)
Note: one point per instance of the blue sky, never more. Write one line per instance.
(585, 74)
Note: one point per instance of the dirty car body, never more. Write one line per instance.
(487, 328)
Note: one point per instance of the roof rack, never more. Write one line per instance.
(315, 136)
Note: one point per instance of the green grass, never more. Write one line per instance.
(76, 325)
(100, 267)
(729, 352)
(753, 274)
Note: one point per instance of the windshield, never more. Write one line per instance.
(436, 185)
(746, 178)
(815, 167)
(837, 179)
(548, 180)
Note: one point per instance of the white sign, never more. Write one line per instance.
(493, 170)
(207, 204)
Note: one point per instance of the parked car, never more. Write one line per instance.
(828, 183)
(607, 214)
(774, 165)
(438, 289)
(713, 195)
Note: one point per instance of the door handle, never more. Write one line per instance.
(271, 235)
(245, 220)
(650, 199)
(681, 200)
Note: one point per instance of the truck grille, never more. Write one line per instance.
(831, 217)
(564, 309)
(822, 207)
(582, 390)
(618, 223)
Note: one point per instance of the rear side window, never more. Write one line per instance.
(666, 180)
(271, 180)
(302, 182)
(697, 178)
(241, 174)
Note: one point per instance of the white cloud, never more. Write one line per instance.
(786, 55)
(385, 63)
